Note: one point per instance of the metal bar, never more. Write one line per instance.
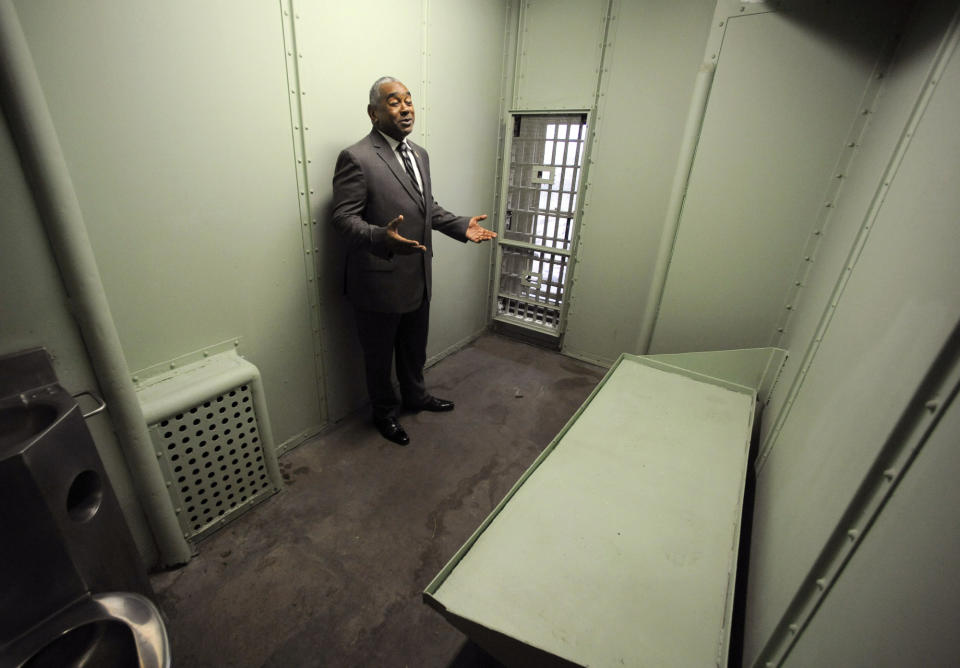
(533, 247)
(681, 180)
(101, 404)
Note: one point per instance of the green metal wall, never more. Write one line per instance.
(646, 87)
(635, 63)
(788, 87)
(174, 122)
(852, 478)
(201, 140)
(34, 312)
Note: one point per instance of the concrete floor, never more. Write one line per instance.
(329, 572)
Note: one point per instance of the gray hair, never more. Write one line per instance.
(375, 96)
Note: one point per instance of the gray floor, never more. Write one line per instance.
(329, 572)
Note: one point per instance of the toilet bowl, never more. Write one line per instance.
(119, 629)
(73, 589)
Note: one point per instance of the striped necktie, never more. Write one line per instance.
(405, 155)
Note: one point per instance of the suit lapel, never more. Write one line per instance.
(383, 150)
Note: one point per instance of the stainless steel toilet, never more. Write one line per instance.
(73, 590)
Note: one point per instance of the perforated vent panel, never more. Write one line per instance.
(212, 458)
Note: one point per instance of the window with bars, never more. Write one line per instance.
(539, 226)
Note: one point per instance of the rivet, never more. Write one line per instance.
(890, 474)
(852, 534)
(789, 307)
(794, 628)
(821, 584)
(172, 365)
(852, 144)
(136, 379)
(932, 405)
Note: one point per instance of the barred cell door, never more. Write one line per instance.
(539, 219)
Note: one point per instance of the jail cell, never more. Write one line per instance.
(540, 218)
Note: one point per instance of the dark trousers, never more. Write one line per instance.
(383, 335)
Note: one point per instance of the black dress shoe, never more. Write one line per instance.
(434, 404)
(391, 430)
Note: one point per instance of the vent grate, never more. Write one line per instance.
(213, 459)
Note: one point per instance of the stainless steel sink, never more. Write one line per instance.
(74, 590)
(19, 423)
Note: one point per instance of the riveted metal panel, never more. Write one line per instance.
(781, 105)
(465, 99)
(645, 90)
(179, 145)
(561, 44)
(895, 314)
(899, 590)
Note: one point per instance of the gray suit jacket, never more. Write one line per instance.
(371, 188)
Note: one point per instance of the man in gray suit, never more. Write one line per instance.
(383, 206)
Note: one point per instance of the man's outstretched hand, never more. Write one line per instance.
(478, 234)
(401, 245)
